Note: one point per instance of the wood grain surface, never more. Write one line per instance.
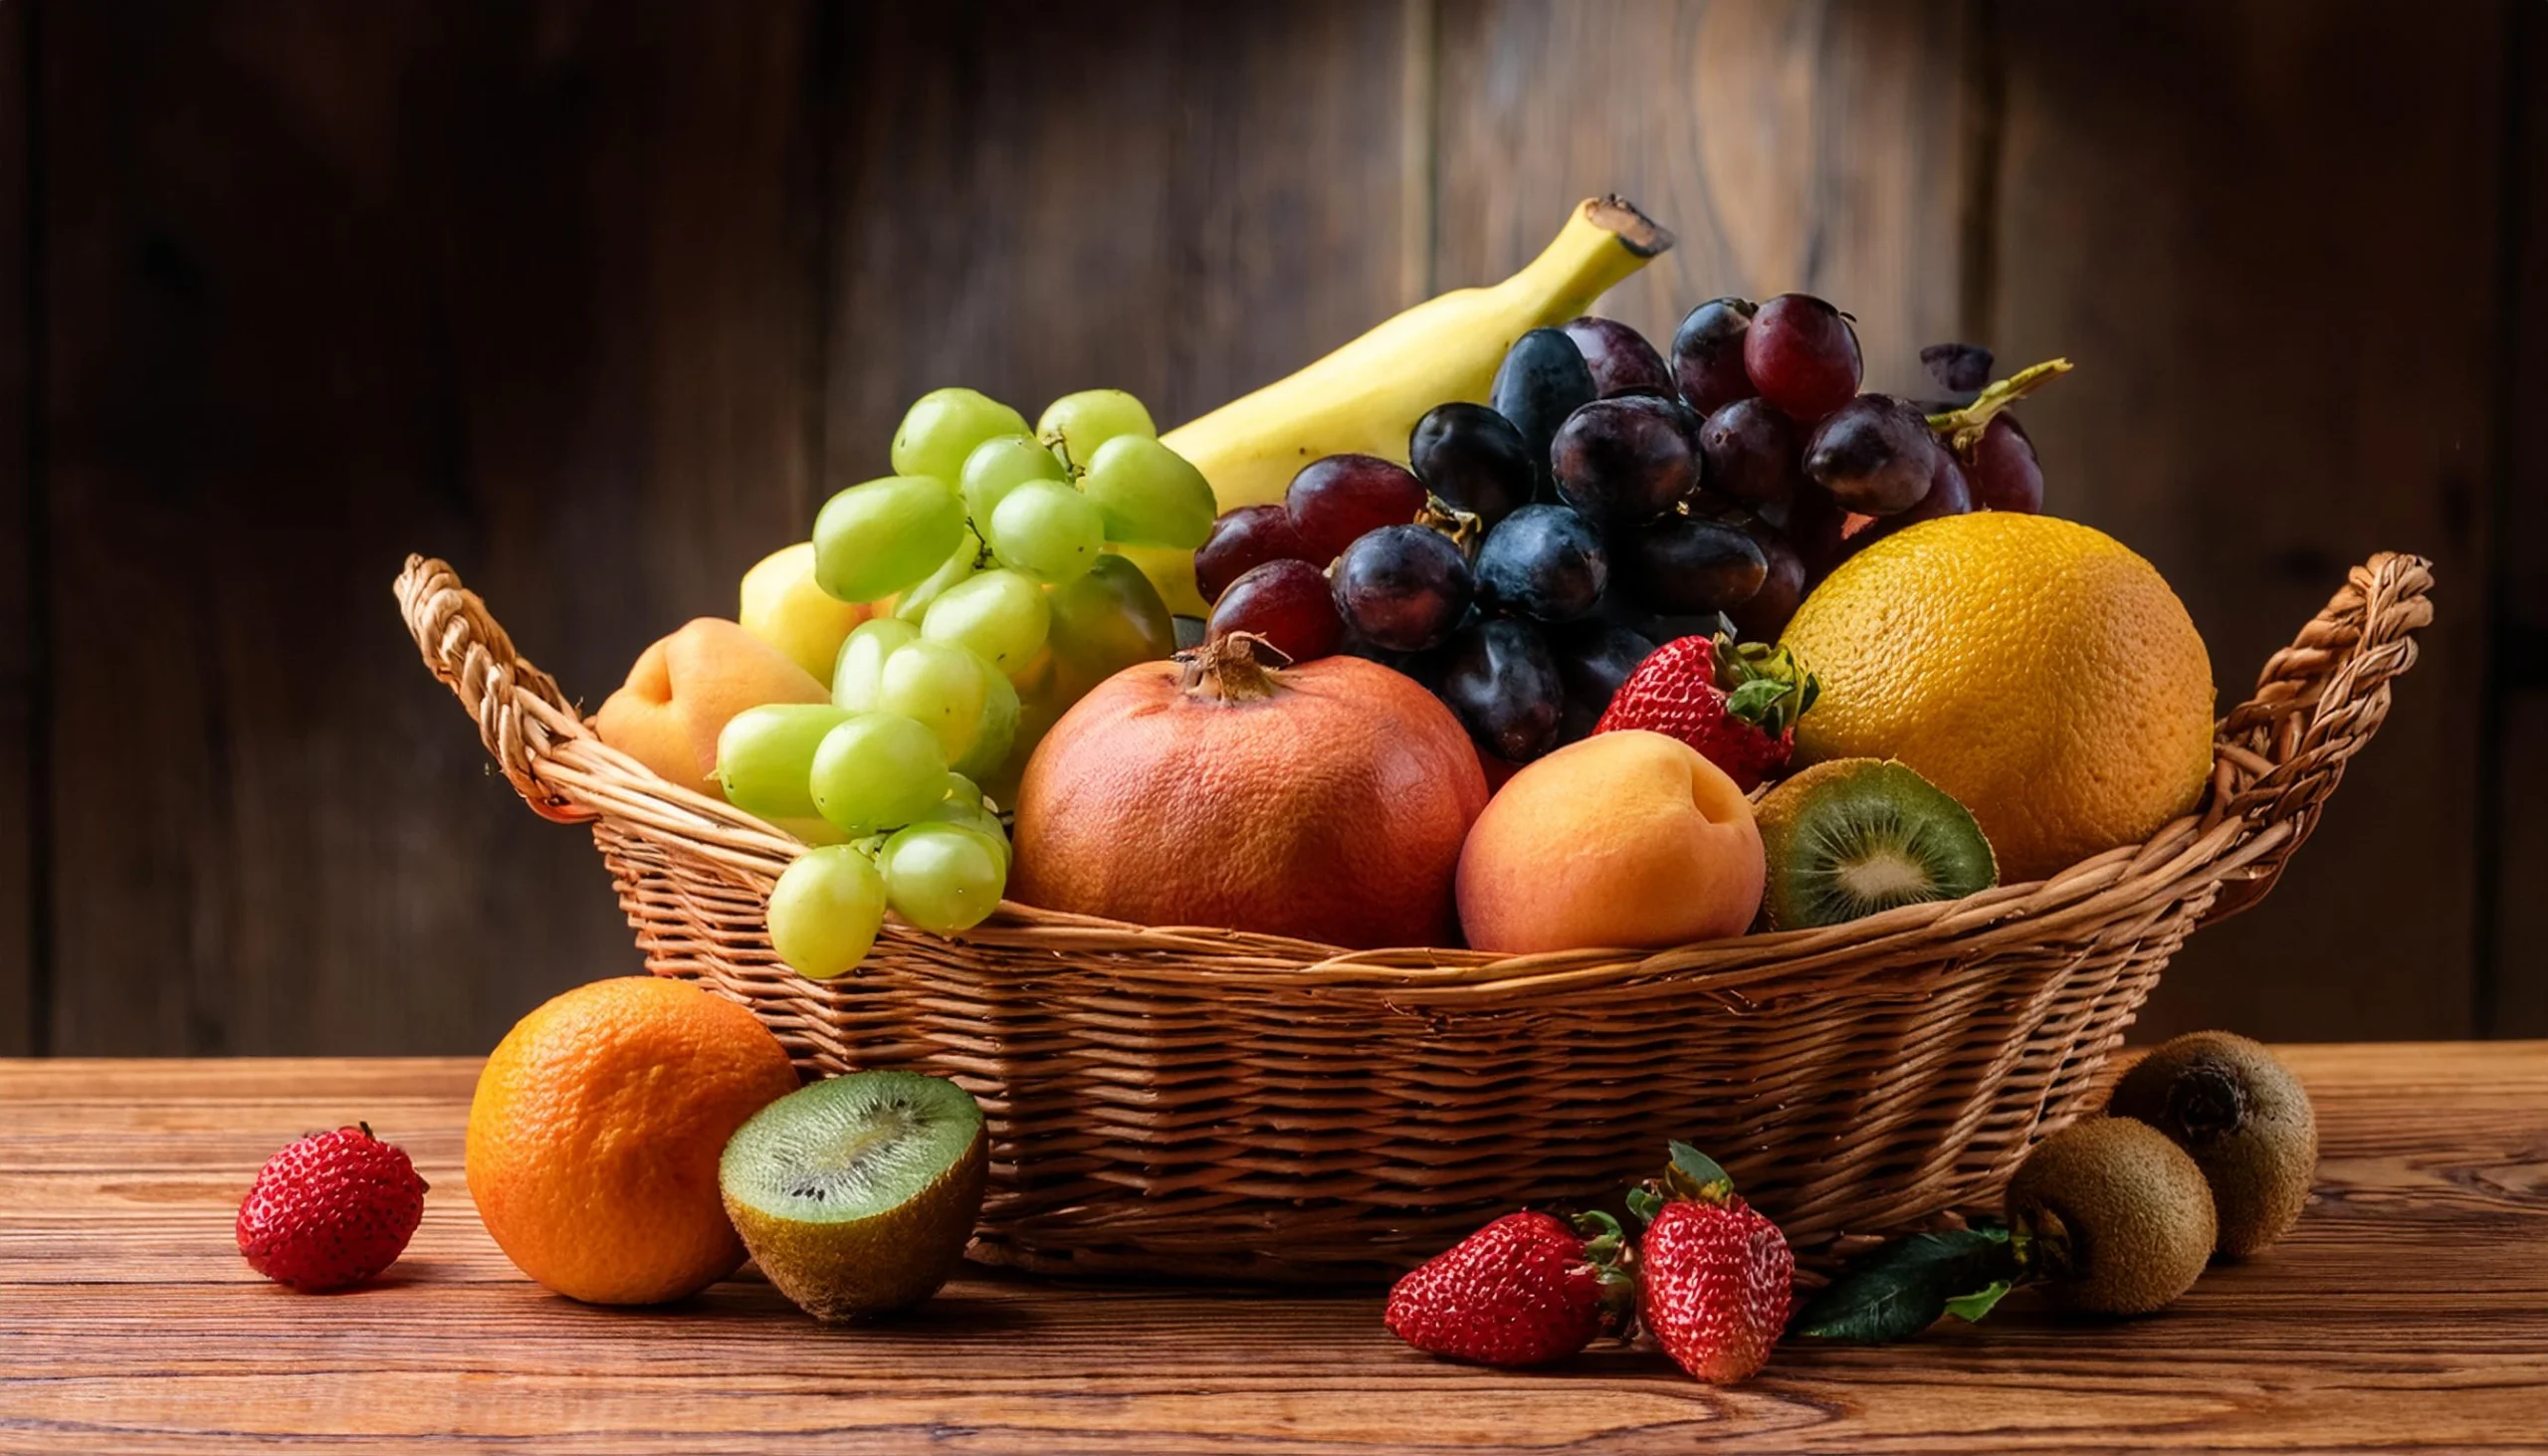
(2408, 1311)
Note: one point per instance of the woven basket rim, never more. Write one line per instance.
(2275, 757)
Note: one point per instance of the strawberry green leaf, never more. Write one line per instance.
(1694, 1174)
(1900, 1289)
(1972, 1307)
(1644, 1202)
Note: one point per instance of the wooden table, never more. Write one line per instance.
(2410, 1310)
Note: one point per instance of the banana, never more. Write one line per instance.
(1365, 397)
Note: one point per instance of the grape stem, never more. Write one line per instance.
(1962, 428)
(1465, 528)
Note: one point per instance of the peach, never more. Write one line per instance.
(783, 607)
(682, 690)
(1626, 839)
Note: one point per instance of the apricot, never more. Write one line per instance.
(1627, 839)
(783, 606)
(684, 688)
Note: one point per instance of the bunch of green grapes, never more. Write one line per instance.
(989, 540)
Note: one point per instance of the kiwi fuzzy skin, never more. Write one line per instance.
(2246, 1121)
(891, 1261)
(2120, 1217)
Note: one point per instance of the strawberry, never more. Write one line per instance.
(332, 1209)
(1525, 1290)
(1715, 1278)
(1737, 706)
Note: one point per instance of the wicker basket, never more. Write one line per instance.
(1199, 1103)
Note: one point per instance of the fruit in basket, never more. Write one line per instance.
(942, 430)
(826, 910)
(1539, 386)
(1737, 705)
(1099, 625)
(877, 772)
(784, 607)
(1241, 541)
(1857, 836)
(1801, 354)
(767, 754)
(1365, 396)
(2243, 1119)
(1687, 566)
(594, 1135)
(2115, 1218)
(1000, 464)
(1629, 459)
(686, 687)
(944, 878)
(331, 1209)
(1624, 839)
(1002, 615)
(1336, 499)
(1078, 424)
(1474, 460)
(1874, 454)
(886, 536)
(1620, 359)
(1751, 453)
(2030, 667)
(969, 704)
(1526, 1289)
(857, 1195)
(1707, 354)
(1288, 603)
(1325, 801)
(1593, 660)
(1402, 587)
(1715, 1278)
(1502, 679)
(1150, 495)
(2003, 473)
(1543, 561)
(1047, 530)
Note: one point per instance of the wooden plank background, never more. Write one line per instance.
(600, 303)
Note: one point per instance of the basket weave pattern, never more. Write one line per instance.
(1190, 1102)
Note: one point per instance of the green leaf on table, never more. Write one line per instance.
(1897, 1290)
(1972, 1307)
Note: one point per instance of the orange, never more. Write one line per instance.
(2034, 668)
(594, 1137)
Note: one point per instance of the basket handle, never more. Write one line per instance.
(2279, 755)
(522, 712)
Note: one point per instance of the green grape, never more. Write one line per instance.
(999, 465)
(765, 754)
(911, 605)
(874, 539)
(825, 911)
(1077, 424)
(1048, 531)
(860, 669)
(943, 427)
(1102, 624)
(960, 789)
(1152, 496)
(877, 772)
(944, 878)
(999, 614)
(964, 701)
(971, 817)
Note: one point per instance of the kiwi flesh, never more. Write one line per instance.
(2243, 1119)
(2118, 1219)
(857, 1195)
(1853, 836)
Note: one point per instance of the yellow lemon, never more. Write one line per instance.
(2034, 668)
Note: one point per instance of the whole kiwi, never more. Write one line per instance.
(2119, 1219)
(2244, 1120)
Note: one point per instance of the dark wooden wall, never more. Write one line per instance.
(599, 300)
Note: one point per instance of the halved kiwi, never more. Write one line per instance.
(2117, 1219)
(857, 1195)
(1855, 836)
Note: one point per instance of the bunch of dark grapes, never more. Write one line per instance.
(1608, 500)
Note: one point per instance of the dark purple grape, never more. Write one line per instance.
(1683, 566)
(1783, 584)
(1814, 525)
(1338, 500)
(1285, 602)
(1474, 458)
(1750, 452)
(1544, 562)
(1242, 540)
(1621, 359)
(1628, 458)
(2005, 474)
(1958, 368)
(1593, 660)
(1948, 494)
(1502, 681)
(1707, 354)
(1402, 587)
(1802, 357)
(1541, 380)
(1874, 454)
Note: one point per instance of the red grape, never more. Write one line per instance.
(1285, 602)
(1335, 500)
(1626, 458)
(1707, 354)
(1474, 458)
(1243, 540)
(1802, 357)
(1621, 359)
(1874, 454)
(1750, 452)
(2005, 474)
(1402, 587)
